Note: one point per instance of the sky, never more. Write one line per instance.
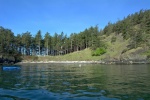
(68, 16)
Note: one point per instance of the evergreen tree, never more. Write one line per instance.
(47, 39)
(26, 41)
(18, 42)
(38, 39)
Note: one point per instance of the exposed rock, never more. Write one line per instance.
(6, 59)
(134, 55)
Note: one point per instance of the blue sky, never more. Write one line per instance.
(69, 16)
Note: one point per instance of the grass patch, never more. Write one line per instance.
(30, 58)
(84, 55)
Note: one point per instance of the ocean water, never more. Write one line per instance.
(75, 82)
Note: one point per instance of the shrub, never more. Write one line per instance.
(148, 54)
(113, 39)
(98, 52)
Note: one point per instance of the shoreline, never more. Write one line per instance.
(84, 62)
(62, 62)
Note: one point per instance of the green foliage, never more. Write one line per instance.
(148, 54)
(26, 39)
(134, 28)
(47, 41)
(108, 29)
(113, 39)
(98, 52)
(38, 38)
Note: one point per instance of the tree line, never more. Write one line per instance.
(58, 44)
(135, 27)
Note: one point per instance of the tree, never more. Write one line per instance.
(75, 42)
(2, 39)
(38, 39)
(87, 38)
(95, 41)
(108, 29)
(54, 42)
(7, 42)
(67, 45)
(26, 41)
(18, 42)
(33, 45)
(47, 39)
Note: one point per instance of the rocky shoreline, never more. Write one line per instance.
(86, 62)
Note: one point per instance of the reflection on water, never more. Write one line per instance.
(72, 81)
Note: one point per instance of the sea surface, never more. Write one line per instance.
(75, 82)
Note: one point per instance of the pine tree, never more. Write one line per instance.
(38, 39)
(26, 41)
(47, 39)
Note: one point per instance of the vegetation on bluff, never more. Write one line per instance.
(127, 39)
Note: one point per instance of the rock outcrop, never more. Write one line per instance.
(5, 59)
(134, 55)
